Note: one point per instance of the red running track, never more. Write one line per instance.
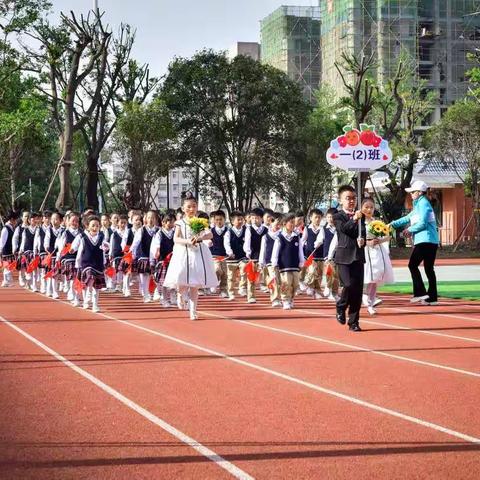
(245, 392)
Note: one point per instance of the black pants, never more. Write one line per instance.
(351, 277)
(426, 253)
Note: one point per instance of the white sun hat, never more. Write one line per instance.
(417, 186)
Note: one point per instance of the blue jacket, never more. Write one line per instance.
(423, 225)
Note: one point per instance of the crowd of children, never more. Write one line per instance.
(82, 255)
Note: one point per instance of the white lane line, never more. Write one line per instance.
(344, 345)
(447, 315)
(397, 327)
(206, 452)
(298, 381)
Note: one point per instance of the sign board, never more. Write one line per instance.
(359, 149)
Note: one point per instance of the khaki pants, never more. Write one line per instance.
(313, 277)
(289, 283)
(232, 269)
(221, 272)
(301, 275)
(332, 280)
(272, 273)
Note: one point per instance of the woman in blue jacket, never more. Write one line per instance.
(423, 229)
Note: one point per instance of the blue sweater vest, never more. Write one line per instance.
(29, 238)
(116, 245)
(20, 229)
(255, 242)
(69, 238)
(41, 232)
(327, 241)
(310, 245)
(144, 247)
(218, 247)
(236, 243)
(269, 243)
(8, 248)
(288, 258)
(92, 255)
(166, 246)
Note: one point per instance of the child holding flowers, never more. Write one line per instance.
(191, 266)
(378, 267)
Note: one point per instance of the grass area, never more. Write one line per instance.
(464, 290)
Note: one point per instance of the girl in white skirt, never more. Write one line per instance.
(378, 266)
(191, 266)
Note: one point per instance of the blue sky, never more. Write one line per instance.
(166, 28)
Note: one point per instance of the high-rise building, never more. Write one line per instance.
(290, 41)
(248, 49)
(433, 36)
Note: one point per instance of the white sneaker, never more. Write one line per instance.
(166, 304)
(76, 303)
(377, 301)
(65, 287)
(95, 309)
(156, 296)
(426, 302)
(326, 292)
(371, 311)
(21, 282)
(147, 299)
(118, 288)
(365, 300)
(34, 289)
(276, 304)
(251, 300)
(310, 292)
(418, 299)
(242, 292)
(332, 297)
(287, 306)
(127, 293)
(85, 305)
(55, 296)
(213, 291)
(302, 287)
(231, 297)
(70, 296)
(42, 290)
(264, 289)
(223, 295)
(318, 296)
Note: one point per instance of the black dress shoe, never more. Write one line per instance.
(341, 318)
(355, 327)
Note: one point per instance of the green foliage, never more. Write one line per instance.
(234, 122)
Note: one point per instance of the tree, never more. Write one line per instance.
(233, 122)
(456, 139)
(306, 177)
(143, 140)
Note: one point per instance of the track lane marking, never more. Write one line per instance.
(201, 449)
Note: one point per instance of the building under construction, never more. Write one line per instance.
(433, 36)
(290, 41)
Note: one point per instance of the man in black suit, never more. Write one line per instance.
(350, 257)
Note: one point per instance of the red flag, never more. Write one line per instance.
(110, 272)
(308, 261)
(66, 249)
(167, 260)
(47, 261)
(78, 286)
(272, 283)
(33, 265)
(329, 270)
(128, 258)
(126, 249)
(220, 259)
(23, 259)
(12, 266)
(251, 272)
(50, 274)
(151, 285)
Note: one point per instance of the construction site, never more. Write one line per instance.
(432, 36)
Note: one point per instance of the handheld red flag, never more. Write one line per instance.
(220, 259)
(329, 270)
(251, 272)
(12, 266)
(50, 274)
(151, 285)
(110, 272)
(167, 260)
(78, 286)
(47, 261)
(126, 249)
(308, 261)
(66, 249)
(33, 265)
(272, 283)
(128, 258)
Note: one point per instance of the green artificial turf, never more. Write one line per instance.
(465, 290)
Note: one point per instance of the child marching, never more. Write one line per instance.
(218, 250)
(313, 238)
(7, 256)
(52, 236)
(233, 241)
(191, 266)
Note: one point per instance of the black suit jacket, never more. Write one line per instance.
(347, 250)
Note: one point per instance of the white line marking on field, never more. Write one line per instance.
(345, 345)
(397, 327)
(206, 452)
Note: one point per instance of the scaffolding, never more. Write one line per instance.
(433, 36)
(290, 41)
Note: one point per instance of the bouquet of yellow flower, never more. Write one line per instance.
(198, 225)
(378, 229)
